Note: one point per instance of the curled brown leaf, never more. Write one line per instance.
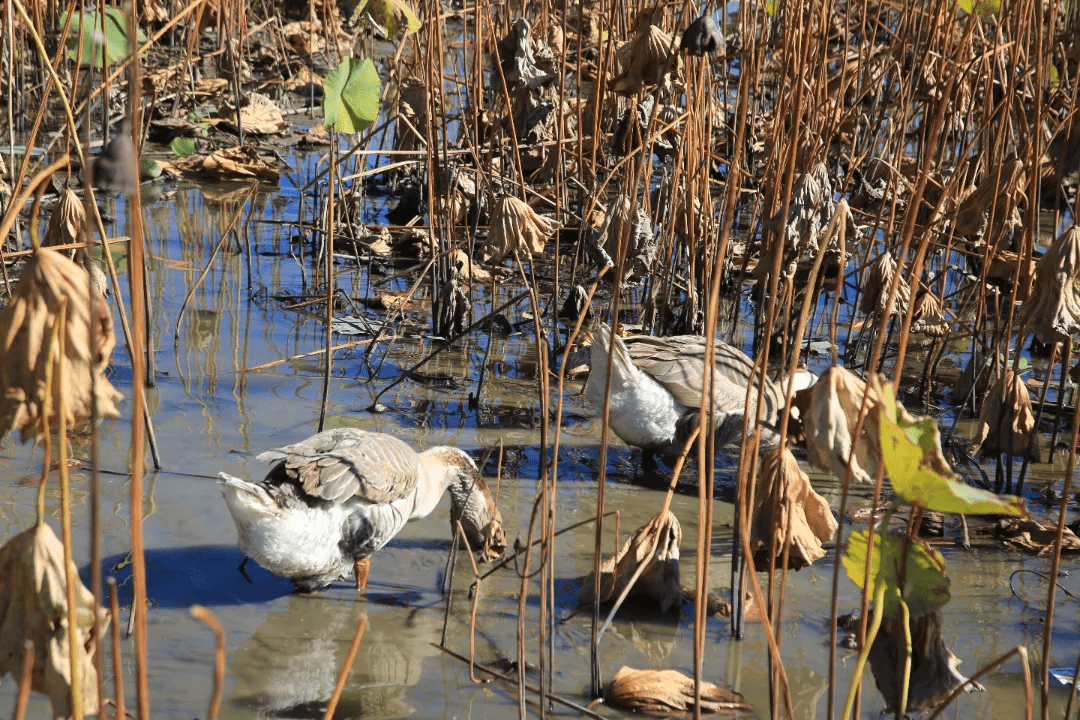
(34, 606)
(30, 345)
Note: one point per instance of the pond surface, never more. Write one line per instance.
(286, 650)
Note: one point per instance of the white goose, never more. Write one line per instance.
(332, 500)
(656, 391)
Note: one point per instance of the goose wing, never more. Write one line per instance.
(678, 363)
(343, 463)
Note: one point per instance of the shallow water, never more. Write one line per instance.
(285, 650)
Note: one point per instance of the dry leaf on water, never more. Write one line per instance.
(236, 163)
(1052, 311)
(1006, 419)
(876, 289)
(516, 226)
(33, 606)
(67, 222)
(656, 545)
(829, 411)
(1035, 537)
(259, 115)
(933, 666)
(27, 340)
(480, 519)
(668, 691)
(787, 507)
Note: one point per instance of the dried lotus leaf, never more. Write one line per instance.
(480, 518)
(668, 691)
(259, 115)
(928, 317)
(829, 411)
(1052, 311)
(788, 508)
(998, 194)
(627, 222)
(654, 545)
(516, 226)
(67, 222)
(1006, 419)
(29, 346)
(876, 289)
(648, 60)
(33, 606)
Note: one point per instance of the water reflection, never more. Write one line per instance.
(288, 668)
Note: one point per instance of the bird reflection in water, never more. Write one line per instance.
(289, 667)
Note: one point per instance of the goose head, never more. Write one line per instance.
(472, 504)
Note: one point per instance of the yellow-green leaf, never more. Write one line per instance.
(393, 15)
(926, 588)
(351, 96)
(920, 475)
(85, 27)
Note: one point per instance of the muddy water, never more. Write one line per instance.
(285, 650)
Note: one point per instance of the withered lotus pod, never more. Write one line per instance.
(703, 37)
(928, 318)
(516, 226)
(876, 289)
(30, 348)
(787, 508)
(668, 691)
(647, 60)
(1006, 420)
(829, 411)
(655, 545)
(67, 222)
(34, 606)
(933, 666)
(480, 519)
(1052, 311)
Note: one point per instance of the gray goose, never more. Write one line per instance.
(656, 391)
(332, 500)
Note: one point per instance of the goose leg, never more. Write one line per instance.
(241, 567)
(361, 568)
(649, 468)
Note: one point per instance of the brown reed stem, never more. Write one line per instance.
(26, 679)
(346, 668)
(204, 615)
(117, 658)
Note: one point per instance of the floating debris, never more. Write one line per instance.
(662, 692)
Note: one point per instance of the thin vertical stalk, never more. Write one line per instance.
(346, 668)
(136, 267)
(26, 679)
(328, 251)
(117, 657)
(207, 618)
